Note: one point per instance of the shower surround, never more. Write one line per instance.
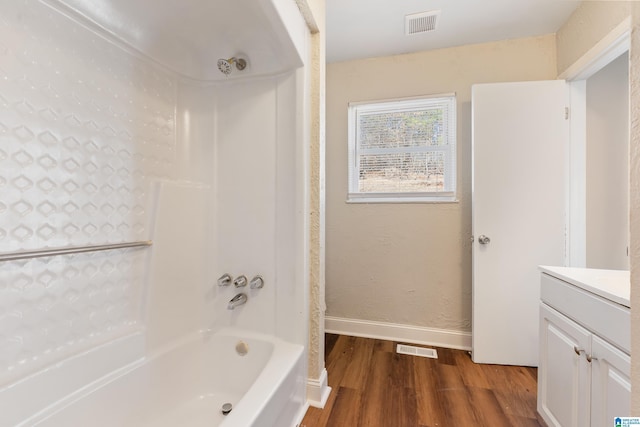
(117, 126)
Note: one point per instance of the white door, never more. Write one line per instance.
(519, 139)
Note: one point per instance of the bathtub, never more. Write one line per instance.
(186, 384)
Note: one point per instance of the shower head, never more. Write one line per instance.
(225, 65)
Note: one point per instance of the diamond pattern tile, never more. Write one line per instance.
(46, 185)
(22, 158)
(47, 162)
(22, 183)
(22, 208)
(23, 133)
(85, 129)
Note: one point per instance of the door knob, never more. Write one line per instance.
(483, 240)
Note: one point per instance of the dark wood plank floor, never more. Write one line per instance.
(373, 386)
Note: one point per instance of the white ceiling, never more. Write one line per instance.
(368, 28)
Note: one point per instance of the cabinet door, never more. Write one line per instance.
(610, 383)
(563, 374)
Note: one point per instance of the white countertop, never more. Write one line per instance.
(613, 285)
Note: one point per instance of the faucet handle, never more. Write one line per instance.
(257, 282)
(240, 281)
(224, 280)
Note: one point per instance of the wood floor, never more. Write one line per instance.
(375, 387)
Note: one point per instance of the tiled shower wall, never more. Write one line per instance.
(85, 128)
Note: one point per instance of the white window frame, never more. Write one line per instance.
(399, 105)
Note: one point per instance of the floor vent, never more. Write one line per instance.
(417, 351)
(423, 22)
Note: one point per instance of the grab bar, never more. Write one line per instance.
(16, 256)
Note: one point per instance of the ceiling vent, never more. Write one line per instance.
(423, 22)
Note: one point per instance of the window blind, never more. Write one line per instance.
(403, 147)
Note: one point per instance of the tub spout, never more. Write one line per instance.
(239, 299)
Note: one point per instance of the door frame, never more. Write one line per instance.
(614, 44)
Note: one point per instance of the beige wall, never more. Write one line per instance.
(411, 263)
(591, 21)
(634, 205)
(607, 205)
(315, 16)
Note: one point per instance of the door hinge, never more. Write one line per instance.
(566, 113)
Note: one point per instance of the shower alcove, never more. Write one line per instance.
(117, 126)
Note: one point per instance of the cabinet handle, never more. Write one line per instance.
(590, 358)
(577, 350)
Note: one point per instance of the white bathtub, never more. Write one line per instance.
(187, 383)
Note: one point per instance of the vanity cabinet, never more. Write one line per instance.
(563, 374)
(610, 383)
(584, 367)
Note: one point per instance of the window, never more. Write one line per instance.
(403, 150)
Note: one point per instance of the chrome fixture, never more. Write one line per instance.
(226, 408)
(224, 280)
(484, 240)
(225, 65)
(16, 256)
(240, 282)
(239, 299)
(257, 282)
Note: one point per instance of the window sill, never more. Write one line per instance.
(360, 198)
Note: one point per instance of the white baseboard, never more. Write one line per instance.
(318, 390)
(397, 332)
